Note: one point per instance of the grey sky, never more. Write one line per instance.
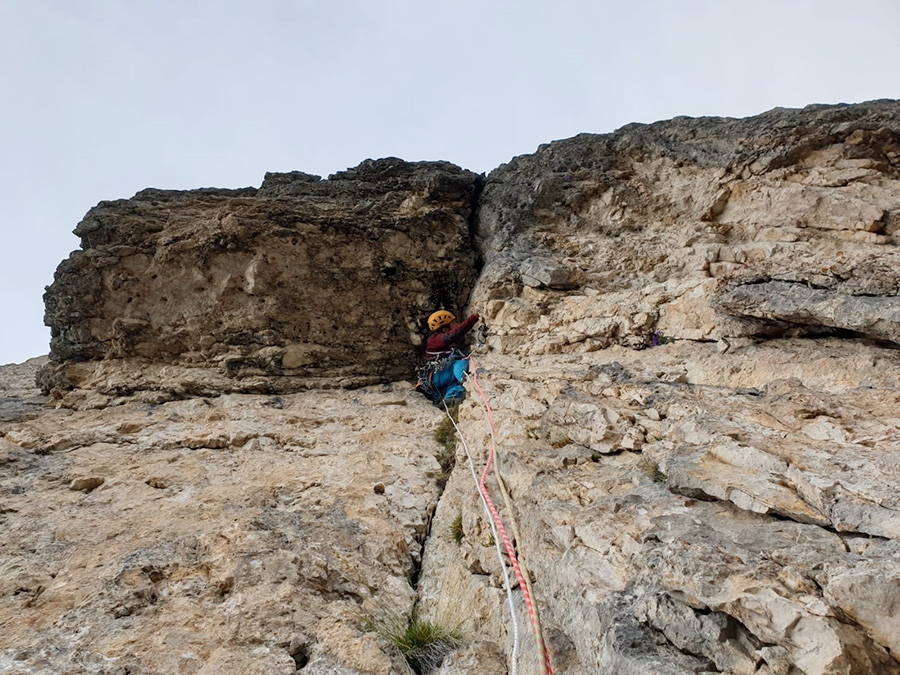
(102, 98)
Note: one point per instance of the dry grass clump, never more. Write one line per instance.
(456, 529)
(424, 644)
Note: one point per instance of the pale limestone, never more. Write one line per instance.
(217, 532)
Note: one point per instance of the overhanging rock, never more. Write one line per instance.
(796, 303)
(303, 282)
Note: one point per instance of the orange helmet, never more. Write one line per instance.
(440, 318)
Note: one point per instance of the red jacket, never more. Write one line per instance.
(440, 345)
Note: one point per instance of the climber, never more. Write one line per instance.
(440, 379)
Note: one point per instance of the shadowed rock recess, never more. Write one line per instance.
(693, 367)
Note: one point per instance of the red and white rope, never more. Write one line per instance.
(506, 582)
(546, 666)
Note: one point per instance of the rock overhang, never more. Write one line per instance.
(302, 282)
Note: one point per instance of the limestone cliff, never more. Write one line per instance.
(303, 282)
(692, 366)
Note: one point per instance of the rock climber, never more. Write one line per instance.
(440, 379)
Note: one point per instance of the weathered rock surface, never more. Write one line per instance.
(18, 397)
(701, 228)
(693, 369)
(303, 282)
(241, 534)
(723, 544)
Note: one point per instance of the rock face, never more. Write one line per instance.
(692, 370)
(303, 282)
(696, 420)
(681, 524)
(241, 534)
(702, 228)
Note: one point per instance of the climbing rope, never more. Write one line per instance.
(506, 582)
(520, 571)
(498, 530)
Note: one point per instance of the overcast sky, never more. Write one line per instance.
(101, 98)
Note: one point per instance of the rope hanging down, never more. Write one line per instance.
(506, 582)
(521, 573)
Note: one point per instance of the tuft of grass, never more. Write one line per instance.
(651, 468)
(445, 435)
(456, 529)
(424, 644)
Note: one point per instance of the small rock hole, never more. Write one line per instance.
(300, 654)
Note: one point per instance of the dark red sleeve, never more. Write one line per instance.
(457, 333)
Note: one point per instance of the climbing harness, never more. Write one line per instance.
(497, 528)
(426, 372)
(424, 384)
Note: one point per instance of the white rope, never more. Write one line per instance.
(494, 533)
